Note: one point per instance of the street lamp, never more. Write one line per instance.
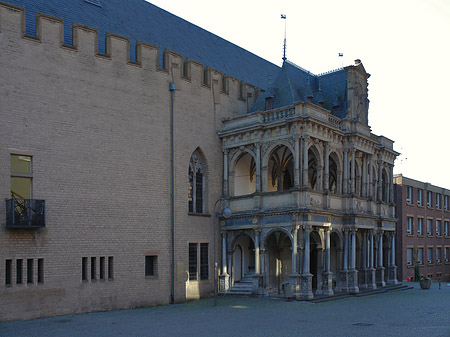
(226, 213)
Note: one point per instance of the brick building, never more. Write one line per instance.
(117, 139)
(423, 237)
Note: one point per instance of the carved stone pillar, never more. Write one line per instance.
(364, 176)
(327, 274)
(297, 162)
(352, 172)
(371, 270)
(224, 278)
(258, 167)
(363, 272)
(391, 184)
(345, 184)
(326, 172)
(379, 182)
(225, 172)
(380, 268)
(392, 272)
(305, 161)
(343, 285)
(306, 288)
(353, 273)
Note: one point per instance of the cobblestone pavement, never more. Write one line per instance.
(413, 312)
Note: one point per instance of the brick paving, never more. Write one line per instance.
(413, 312)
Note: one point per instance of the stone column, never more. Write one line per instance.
(380, 268)
(225, 172)
(306, 291)
(353, 273)
(305, 161)
(345, 185)
(258, 167)
(295, 277)
(326, 171)
(344, 272)
(363, 272)
(352, 173)
(379, 181)
(391, 184)
(297, 162)
(371, 272)
(257, 278)
(369, 185)
(327, 274)
(364, 176)
(224, 278)
(392, 275)
(229, 256)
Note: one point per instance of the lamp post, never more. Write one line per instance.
(226, 214)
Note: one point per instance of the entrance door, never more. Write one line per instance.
(237, 264)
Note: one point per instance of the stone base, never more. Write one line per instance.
(296, 280)
(353, 281)
(306, 287)
(392, 275)
(224, 283)
(327, 288)
(371, 279)
(257, 281)
(342, 285)
(380, 277)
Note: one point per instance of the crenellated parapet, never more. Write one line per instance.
(50, 33)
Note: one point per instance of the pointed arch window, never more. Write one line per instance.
(196, 185)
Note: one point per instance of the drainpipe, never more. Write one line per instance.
(172, 199)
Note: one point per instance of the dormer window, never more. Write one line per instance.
(269, 103)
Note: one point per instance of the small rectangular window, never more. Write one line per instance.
(409, 195)
(419, 196)
(438, 227)
(438, 200)
(420, 256)
(430, 255)
(409, 223)
(419, 226)
(446, 202)
(40, 273)
(438, 254)
(19, 275)
(102, 268)
(150, 265)
(8, 266)
(110, 267)
(429, 225)
(446, 227)
(93, 268)
(446, 257)
(29, 270)
(193, 262)
(429, 198)
(204, 263)
(21, 176)
(84, 262)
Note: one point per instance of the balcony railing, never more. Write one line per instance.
(25, 213)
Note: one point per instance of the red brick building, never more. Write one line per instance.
(423, 233)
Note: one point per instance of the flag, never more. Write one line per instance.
(341, 54)
(283, 16)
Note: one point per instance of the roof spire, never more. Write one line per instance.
(283, 16)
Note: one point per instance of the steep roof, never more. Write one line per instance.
(139, 20)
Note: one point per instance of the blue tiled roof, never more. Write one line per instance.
(139, 20)
(292, 84)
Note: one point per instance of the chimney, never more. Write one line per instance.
(357, 62)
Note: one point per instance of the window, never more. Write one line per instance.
(409, 256)
(40, 272)
(438, 254)
(409, 195)
(193, 262)
(446, 227)
(204, 266)
(102, 268)
(409, 224)
(196, 184)
(93, 268)
(29, 271)
(446, 202)
(438, 227)
(438, 200)
(419, 226)
(429, 198)
(110, 267)
(150, 265)
(429, 225)
(419, 196)
(21, 176)
(84, 269)
(8, 264)
(19, 266)
(446, 254)
(430, 255)
(420, 255)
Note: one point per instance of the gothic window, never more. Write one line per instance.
(281, 170)
(384, 186)
(312, 170)
(332, 184)
(196, 184)
(244, 175)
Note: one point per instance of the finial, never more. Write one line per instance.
(283, 16)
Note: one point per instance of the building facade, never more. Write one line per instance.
(423, 237)
(112, 159)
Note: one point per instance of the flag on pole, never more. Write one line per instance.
(283, 16)
(341, 54)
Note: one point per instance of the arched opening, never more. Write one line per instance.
(316, 259)
(335, 257)
(313, 166)
(243, 258)
(244, 175)
(280, 170)
(279, 260)
(333, 173)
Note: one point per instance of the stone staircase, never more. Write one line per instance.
(242, 287)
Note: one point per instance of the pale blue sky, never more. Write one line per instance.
(403, 44)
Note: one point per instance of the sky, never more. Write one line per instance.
(403, 44)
